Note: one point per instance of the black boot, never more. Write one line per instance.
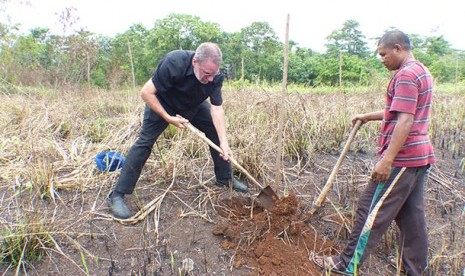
(117, 205)
(237, 185)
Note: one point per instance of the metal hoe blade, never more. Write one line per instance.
(267, 197)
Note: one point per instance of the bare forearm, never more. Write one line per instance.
(366, 117)
(217, 114)
(375, 116)
(148, 95)
(399, 136)
(383, 167)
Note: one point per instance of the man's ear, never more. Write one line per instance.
(398, 47)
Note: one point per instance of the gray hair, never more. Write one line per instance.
(391, 38)
(209, 51)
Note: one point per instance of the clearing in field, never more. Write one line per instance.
(55, 220)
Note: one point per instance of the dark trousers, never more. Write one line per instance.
(153, 125)
(401, 199)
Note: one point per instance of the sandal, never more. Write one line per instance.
(327, 263)
(393, 263)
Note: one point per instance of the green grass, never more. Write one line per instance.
(24, 242)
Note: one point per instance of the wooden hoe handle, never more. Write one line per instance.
(321, 198)
(218, 149)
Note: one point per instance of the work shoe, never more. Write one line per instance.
(237, 185)
(118, 207)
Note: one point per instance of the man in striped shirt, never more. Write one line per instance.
(395, 191)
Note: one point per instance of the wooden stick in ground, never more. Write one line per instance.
(321, 198)
(279, 153)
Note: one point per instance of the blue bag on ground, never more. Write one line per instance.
(109, 161)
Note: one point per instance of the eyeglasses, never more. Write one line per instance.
(207, 74)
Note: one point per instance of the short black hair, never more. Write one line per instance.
(391, 38)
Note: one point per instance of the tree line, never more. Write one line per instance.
(254, 54)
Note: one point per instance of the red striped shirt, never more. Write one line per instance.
(410, 91)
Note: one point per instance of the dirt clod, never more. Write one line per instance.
(275, 241)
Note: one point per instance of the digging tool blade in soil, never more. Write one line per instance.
(321, 198)
(267, 196)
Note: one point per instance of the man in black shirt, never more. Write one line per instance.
(176, 94)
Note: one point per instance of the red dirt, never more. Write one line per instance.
(272, 242)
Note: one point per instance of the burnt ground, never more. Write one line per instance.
(199, 229)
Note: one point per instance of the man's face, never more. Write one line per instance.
(390, 57)
(205, 71)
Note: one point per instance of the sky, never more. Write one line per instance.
(309, 25)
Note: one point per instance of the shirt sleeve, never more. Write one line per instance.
(405, 95)
(164, 77)
(216, 97)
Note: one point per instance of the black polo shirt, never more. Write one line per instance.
(177, 85)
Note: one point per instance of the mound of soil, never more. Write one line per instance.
(270, 242)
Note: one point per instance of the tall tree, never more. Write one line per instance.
(304, 66)
(437, 46)
(130, 53)
(182, 31)
(8, 34)
(347, 39)
(262, 52)
(233, 54)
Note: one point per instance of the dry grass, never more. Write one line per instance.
(49, 139)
